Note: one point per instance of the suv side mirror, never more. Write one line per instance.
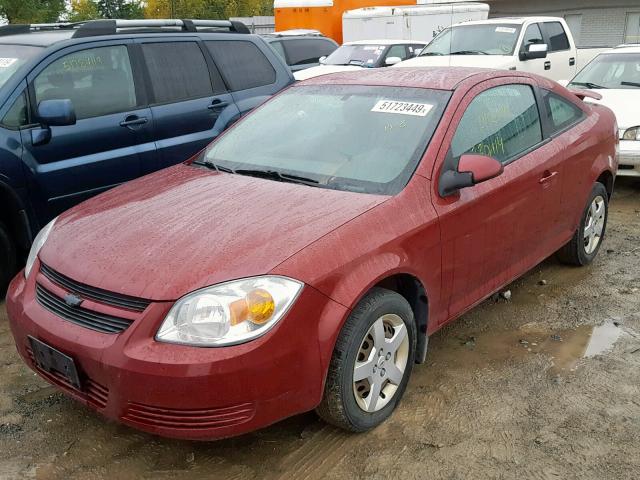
(56, 113)
(534, 50)
(392, 61)
(472, 169)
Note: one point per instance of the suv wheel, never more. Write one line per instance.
(371, 362)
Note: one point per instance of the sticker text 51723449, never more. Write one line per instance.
(403, 108)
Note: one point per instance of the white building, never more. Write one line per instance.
(593, 23)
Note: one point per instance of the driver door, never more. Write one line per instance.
(491, 232)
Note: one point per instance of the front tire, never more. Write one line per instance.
(8, 260)
(588, 238)
(371, 363)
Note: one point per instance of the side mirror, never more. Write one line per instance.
(534, 50)
(56, 113)
(392, 61)
(472, 169)
(322, 59)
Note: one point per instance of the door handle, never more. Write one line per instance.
(132, 121)
(572, 61)
(217, 103)
(547, 65)
(547, 176)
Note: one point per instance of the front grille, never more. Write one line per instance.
(78, 315)
(95, 394)
(190, 419)
(92, 293)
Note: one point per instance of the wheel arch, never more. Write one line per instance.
(607, 178)
(14, 216)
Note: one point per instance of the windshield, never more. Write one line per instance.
(482, 39)
(360, 55)
(344, 137)
(12, 57)
(610, 70)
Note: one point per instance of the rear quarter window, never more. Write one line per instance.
(307, 51)
(242, 63)
(561, 113)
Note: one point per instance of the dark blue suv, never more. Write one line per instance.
(85, 107)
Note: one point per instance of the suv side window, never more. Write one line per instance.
(98, 81)
(532, 35)
(178, 71)
(501, 122)
(397, 51)
(560, 112)
(242, 63)
(277, 46)
(16, 116)
(557, 36)
(307, 51)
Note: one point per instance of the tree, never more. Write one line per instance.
(120, 8)
(31, 11)
(82, 10)
(212, 9)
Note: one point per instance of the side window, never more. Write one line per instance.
(16, 116)
(560, 112)
(178, 71)
(557, 37)
(98, 81)
(415, 49)
(397, 51)
(501, 122)
(307, 51)
(277, 46)
(532, 35)
(242, 63)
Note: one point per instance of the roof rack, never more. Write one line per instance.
(94, 28)
(296, 32)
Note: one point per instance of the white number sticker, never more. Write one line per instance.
(505, 30)
(7, 62)
(403, 108)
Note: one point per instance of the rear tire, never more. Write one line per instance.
(588, 238)
(371, 362)
(8, 260)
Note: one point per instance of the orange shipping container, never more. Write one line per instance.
(322, 15)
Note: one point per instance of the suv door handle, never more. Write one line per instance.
(132, 121)
(547, 65)
(547, 176)
(217, 103)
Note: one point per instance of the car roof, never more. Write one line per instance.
(510, 20)
(37, 39)
(383, 42)
(438, 78)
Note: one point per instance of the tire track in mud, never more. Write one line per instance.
(317, 456)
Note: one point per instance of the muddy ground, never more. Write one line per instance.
(519, 388)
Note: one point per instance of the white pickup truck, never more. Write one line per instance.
(542, 45)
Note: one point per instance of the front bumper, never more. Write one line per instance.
(629, 158)
(176, 390)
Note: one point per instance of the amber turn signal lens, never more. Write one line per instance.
(258, 307)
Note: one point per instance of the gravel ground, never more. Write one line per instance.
(545, 385)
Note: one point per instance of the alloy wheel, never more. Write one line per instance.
(594, 224)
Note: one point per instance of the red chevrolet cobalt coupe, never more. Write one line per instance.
(305, 257)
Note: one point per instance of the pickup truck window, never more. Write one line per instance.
(532, 35)
(501, 122)
(557, 37)
(480, 39)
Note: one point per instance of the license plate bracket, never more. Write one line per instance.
(51, 360)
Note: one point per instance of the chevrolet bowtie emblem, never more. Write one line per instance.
(72, 300)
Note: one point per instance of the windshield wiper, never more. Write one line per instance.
(275, 175)
(630, 84)
(214, 166)
(588, 84)
(469, 52)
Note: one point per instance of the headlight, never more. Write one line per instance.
(229, 313)
(632, 133)
(39, 241)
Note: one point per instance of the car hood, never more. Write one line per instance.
(187, 227)
(623, 102)
(484, 61)
(323, 70)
